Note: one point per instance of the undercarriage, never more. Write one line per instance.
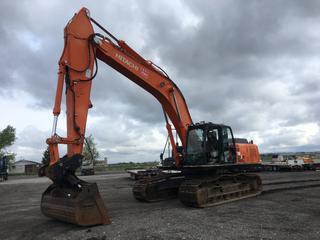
(156, 188)
(219, 189)
(218, 186)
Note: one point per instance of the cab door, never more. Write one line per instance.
(228, 151)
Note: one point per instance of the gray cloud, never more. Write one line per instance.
(253, 66)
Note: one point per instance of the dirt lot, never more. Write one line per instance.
(291, 214)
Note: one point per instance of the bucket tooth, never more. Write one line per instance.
(82, 205)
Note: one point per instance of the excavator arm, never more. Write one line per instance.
(69, 198)
(78, 67)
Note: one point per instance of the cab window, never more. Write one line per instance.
(226, 141)
(195, 141)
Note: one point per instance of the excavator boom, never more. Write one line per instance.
(69, 198)
(76, 71)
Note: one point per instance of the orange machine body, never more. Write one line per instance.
(247, 153)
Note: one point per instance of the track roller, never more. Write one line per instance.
(223, 189)
(157, 188)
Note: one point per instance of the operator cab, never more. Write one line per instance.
(209, 144)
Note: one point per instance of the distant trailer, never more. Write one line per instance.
(87, 171)
(3, 176)
(3, 169)
(136, 174)
(312, 166)
(290, 166)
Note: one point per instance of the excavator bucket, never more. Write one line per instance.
(69, 198)
(82, 206)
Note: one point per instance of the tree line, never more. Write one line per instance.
(90, 152)
(7, 139)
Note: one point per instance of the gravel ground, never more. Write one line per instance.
(292, 214)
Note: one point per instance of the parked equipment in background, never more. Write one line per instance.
(3, 169)
(210, 164)
(87, 167)
(87, 170)
(136, 174)
(290, 162)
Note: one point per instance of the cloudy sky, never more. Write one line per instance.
(253, 65)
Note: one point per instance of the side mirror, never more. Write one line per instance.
(161, 156)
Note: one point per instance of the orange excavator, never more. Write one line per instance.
(210, 163)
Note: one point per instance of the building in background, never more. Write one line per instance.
(101, 163)
(25, 167)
